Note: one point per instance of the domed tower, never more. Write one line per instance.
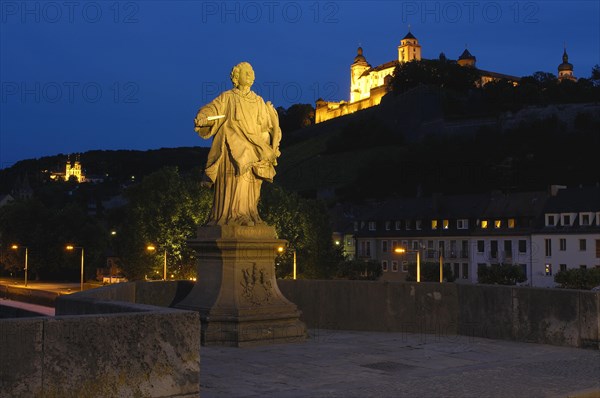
(565, 70)
(466, 59)
(409, 48)
(358, 67)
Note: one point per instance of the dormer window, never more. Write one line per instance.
(372, 226)
(462, 224)
(511, 223)
(585, 219)
(445, 224)
(550, 220)
(497, 224)
(566, 220)
(388, 225)
(484, 224)
(434, 224)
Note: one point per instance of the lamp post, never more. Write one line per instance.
(280, 250)
(71, 248)
(152, 248)
(16, 247)
(402, 250)
(441, 268)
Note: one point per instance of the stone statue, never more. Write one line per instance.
(244, 150)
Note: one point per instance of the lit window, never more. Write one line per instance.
(497, 224)
(484, 224)
(446, 224)
(548, 269)
(511, 223)
(434, 224)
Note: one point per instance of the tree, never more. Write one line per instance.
(436, 72)
(501, 274)
(578, 278)
(46, 231)
(430, 272)
(305, 225)
(163, 210)
(360, 270)
(296, 117)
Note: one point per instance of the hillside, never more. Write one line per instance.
(409, 145)
(116, 166)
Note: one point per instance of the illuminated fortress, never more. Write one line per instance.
(369, 84)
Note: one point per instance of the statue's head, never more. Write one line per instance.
(242, 75)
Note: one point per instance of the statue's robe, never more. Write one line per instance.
(243, 154)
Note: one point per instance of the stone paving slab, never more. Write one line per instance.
(370, 364)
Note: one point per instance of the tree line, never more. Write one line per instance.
(164, 210)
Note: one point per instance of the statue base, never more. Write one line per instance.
(236, 293)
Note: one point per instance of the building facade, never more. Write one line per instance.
(470, 231)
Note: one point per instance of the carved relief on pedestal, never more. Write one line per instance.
(257, 289)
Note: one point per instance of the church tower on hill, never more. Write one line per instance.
(409, 49)
(565, 70)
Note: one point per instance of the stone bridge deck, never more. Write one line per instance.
(370, 364)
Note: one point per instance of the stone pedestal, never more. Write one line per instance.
(236, 293)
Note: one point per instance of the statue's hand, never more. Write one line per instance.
(201, 121)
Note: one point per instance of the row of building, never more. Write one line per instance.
(543, 232)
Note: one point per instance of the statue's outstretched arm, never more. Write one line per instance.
(208, 116)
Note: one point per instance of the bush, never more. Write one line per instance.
(360, 270)
(578, 278)
(430, 272)
(501, 274)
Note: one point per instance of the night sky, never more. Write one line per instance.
(83, 75)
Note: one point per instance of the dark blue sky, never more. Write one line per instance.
(85, 75)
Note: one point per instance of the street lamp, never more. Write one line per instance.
(71, 248)
(280, 250)
(403, 250)
(152, 248)
(16, 247)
